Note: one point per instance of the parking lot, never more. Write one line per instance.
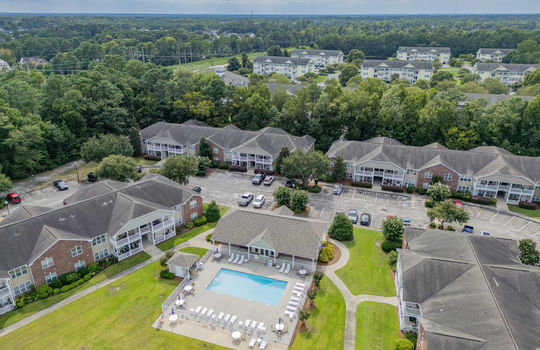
(226, 187)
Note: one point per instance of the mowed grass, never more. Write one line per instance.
(216, 61)
(326, 323)
(532, 213)
(118, 316)
(367, 271)
(377, 326)
(194, 250)
(173, 242)
(19, 314)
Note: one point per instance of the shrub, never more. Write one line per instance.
(215, 164)
(299, 201)
(239, 168)
(151, 157)
(315, 189)
(327, 178)
(409, 189)
(392, 188)
(388, 246)
(224, 165)
(165, 257)
(83, 271)
(68, 278)
(392, 257)
(200, 220)
(201, 173)
(526, 205)
(403, 344)
(428, 203)
(466, 196)
(362, 184)
(93, 267)
(65, 288)
(432, 225)
(441, 226)
(481, 200)
(55, 283)
(189, 225)
(212, 212)
(44, 291)
(264, 171)
(450, 228)
(166, 274)
(327, 252)
(420, 190)
(341, 228)
(209, 237)
(282, 196)
(393, 229)
(56, 291)
(87, 277)
(493, 201)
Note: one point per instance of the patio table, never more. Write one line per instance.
(179, 302)
(302, 272)
(280, 326)
(173, 318)
(236, 335)
(217, 255)
(188, 288)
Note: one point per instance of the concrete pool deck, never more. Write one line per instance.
(244, 309)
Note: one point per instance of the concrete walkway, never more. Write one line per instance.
(351, 301)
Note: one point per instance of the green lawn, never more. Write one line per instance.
(213, 62)
(321, 78)
(326, 323)
(16, 315)
(377, 326)
(532, 213)
(173, 242)
(367, 271)
(118, 316)
(194, 250)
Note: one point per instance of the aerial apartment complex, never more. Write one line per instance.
(406, 53)
(495, 55)
(320, 58)
(388, 69)
(485, 171)
(507, 73)
(251, 149)
(291, 67)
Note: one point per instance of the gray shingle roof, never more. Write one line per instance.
(231, 78)
(492, 51)
(510, 67)
(291, 89)
(397, 64)
(86, 217)
(182, 259)
(473, 291)
(282, 60)
(286, 235)
(493, 99)
(270, 142)
(424, 49)
(301, 52)
(477, 161)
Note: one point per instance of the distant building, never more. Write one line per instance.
(230, 78)
(33, 60)
(466, 292)
(4, 66)
(495, 55)
(406, 53)
(290, 89)
(507, 73)
(492, 99)
(387, 69)
(291, 67)
(320, 58)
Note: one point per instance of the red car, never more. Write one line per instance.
(13, 197)
(458, 204)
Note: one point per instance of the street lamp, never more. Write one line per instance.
(77, 170)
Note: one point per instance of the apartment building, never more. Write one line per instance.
(289, 66)
(4, 66)
(495, 55)
(507, 73)
(485, 171)
(430, 54)
(102, 219)
(466, 292)
(319, 58)
(388, 69)
(251, 149)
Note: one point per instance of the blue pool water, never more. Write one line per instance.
(245, 285)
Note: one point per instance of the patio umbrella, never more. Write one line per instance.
(178, 295)
(172, 310)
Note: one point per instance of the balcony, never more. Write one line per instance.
(411, 311)
(176, 150)
(145, 230)
(4, 291)
(153, 148)
(487, 187)
(121, 242)
(363, 173)
(6, 308)
(165, 237)
(163, 225)
(521, 191)
(393, 176)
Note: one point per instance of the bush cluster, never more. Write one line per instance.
(432, 225)
(188, 225)
(264, 171)
(200, 173)
(215, 164)
(429, 203)
(212, 212)
(392, 188)
(527, 205)
(314, 189)
(224, 165)
(483, 200)
(341, 228)
(239, 168)
(327, 178)
(151, 157)
(166, 274)
(200, 220)
(362, 184)
(388, 246)
(466, 196)
(420, 190)
(409, 189)
(327, 252)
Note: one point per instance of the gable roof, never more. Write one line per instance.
(302, 52)
(490, 51)
(493, 99)
(510, 67)
(424, 49)
(231, 78)
(183, 259)
(397, 64)
(290, 61)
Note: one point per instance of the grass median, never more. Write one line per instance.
(377, 326)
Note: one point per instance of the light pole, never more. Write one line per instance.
(7, 205)
(77, 170)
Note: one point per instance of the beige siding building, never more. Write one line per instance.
(289, 66)
(495, 55)
(319, 58)
(507, 73)
(389, 69)
(430, 54)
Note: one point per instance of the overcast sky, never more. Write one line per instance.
(273, 6)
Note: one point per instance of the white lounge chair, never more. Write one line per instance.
(203, 312)
(210, 312)
(227, 318)
(300, 289)
(291, 308)
(263, 345)
(293, 298)
(288, 269)
(241, 260)
(233, 320)
(252, 342)
(297, 293)
(298, 284)
(283, 266)
(231, 258)
(290, 314)
(253, 327)
(293, 303)
(197, 310)
(247, 323)
(235, 261)
(212, 319)
(220, 316)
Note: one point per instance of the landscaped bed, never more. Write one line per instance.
(377, 326)
(118, 316)
(368, 270)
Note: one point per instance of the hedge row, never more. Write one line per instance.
(392, 188)
(151, 157)
(264, 171)
(362, 184)
(484, 200)
(239, 168)
(527, 205)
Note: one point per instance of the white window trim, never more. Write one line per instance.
(98, 240)
(193, 204)
(428, 175)
(46, 263)
(18, 271)
(50, 276)
(74, 251)
(79, 264)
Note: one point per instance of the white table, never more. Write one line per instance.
(280, 326)
(302, 272)
(217, 255)
(188, 288)
(236, 335)
(173, 318)
(179, 302)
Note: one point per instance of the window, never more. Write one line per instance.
(192, 204)
(331, 164)
(194, 216)
(98, 240)
(77, 250)
(228, 151)
(216, 150)
(410, 183)
(19, 271)
(463, 188)
(448, 177)
(465, 178)
(50, 276)
(216, 159)
(21, 288)
(425, 185)
(47, 262)
(428, 175)
(411, 172)
(191, 146)
(101, 254)
(349, 165)
(79, 264)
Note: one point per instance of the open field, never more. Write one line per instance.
(215, 61)
(377, 326)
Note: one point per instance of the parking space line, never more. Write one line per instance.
(310, 210)
(493, 217)
(386, 201)
(506, 223)
(320, 214)
(478, 214)
(522, 227)
(353, 191)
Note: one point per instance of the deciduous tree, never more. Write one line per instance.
(446, 211)
(341, 228)
(307, 166)
(117, 167)
(180, 169)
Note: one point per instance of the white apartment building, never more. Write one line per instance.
(407, 53)
(388, 69)
(495, 55)
(320, 58)
(289, 66)
(4, 66)
(505, 72)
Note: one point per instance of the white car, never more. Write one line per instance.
(258, 202)
(485, 233)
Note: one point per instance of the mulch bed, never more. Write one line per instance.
(337, 256)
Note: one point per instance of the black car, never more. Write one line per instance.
(365, 218)
(290, 183)
(196, 189)
(91, 177)
(258, 179)
(353, 215)
(61, 185)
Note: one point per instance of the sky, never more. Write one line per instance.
(273, 7)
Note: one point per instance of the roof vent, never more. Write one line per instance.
(62, 219)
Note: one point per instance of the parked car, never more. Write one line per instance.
(269, 180)
(245, 199)
(365, 219)
(338, 188)
(467, 229)
(13, 198)
(258, 179)
(485, 233)
(290, 183)
(458, 204)
(405, 221)
(258, 202)
(196, 189)
(61, 185)
(353, 215)
(91, 177)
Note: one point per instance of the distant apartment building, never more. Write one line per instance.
(507, 73)
(32, 61)
(407, 53)
(460, 291)
(289, 66)
(230, 78)
(103, 219)
(4, 66)
(485, 171)
(388, 69)
(251, 149)
(495, 55)
(320, 58)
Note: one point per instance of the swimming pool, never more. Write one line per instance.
(245, 285)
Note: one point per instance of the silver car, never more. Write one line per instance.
(258, 202)
(245, 199)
